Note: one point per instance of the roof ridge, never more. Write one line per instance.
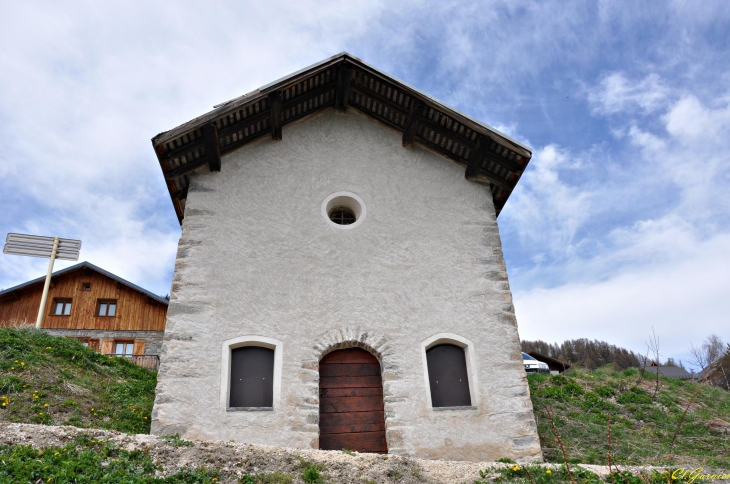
(98, 269)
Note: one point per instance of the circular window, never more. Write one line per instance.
(342, 216)
(343, 210)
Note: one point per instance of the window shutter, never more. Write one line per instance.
(107, 346)
(139, 347)
(252, 377)
(447, 376)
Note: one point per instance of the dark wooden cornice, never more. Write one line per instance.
(275, 112)
(341, 82)
(212, 150)
(409, 130)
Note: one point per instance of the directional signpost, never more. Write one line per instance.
(38, 246)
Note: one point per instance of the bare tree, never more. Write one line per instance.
(653, 347)
(710, 350)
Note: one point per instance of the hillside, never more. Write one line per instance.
(642, 426)
(57, 381)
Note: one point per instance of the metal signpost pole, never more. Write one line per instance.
(38, 246)
(44, 298)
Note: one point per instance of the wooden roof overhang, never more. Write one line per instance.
(15, 292)
(340, 82)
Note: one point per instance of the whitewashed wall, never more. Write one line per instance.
(256, 257)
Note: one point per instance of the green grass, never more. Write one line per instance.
(642, 426)
(88, 461)
(57, 381)
(533, 474)
(267, 478)
(311, 471)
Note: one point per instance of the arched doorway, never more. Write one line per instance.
(351, 410)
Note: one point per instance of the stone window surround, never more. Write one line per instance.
(461, 342)
(250, 340)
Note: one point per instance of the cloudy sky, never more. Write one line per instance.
(621, 222)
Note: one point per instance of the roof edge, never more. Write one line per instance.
(95, 268)
(219, 109)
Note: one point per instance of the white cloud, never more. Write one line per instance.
(86, 86)
(670, 270)
(547, 211)
(684, 298)
(617, 94)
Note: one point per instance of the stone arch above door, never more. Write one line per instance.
(379, 346)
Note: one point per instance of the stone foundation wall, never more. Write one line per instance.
(153, 339)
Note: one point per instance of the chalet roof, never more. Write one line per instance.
(549, 360)
(340, 82)
(85, 265)
(670, 372)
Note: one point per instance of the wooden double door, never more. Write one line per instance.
(351, 410)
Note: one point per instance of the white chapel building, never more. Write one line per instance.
(339, 280)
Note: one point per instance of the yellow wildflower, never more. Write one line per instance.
(12, 367)
(214, 479)
(35, 396)
(548, 472)
(45, 404)
(40, 413)
(16, 361)
(22, 363)
(56, 453)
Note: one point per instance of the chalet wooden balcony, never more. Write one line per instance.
(151, 362)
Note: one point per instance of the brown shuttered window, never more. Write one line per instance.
(252, 377)
(447, 376)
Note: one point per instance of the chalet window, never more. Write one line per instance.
(447, 376)
(106, 308)
(252, 377)
(86, 286)
(61, 307)
(89, 343)
(124, 348)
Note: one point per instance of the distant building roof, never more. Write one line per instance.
(555, 365)
(670, 372)
(86, 265)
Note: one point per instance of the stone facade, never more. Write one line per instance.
(257, 259)
(152, 339)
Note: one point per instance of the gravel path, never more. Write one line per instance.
(234, 460)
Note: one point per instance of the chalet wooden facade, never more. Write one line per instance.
(94, 306)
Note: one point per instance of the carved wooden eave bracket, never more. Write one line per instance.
(341, 82)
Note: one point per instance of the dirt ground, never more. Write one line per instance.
(234, 460)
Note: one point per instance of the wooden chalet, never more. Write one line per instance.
(100, 309)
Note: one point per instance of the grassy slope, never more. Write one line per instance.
(72, 380)
(642, 427)
(57, 381)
